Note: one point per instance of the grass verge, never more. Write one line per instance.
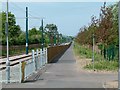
(99, 64)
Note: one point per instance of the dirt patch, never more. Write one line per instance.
(81, 62)
(113, 84)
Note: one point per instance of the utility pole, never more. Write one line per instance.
(7, 62)
(42, 35)
(93, 50)
(26, 30)
(119, 50)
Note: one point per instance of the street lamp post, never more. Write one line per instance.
(7, 62)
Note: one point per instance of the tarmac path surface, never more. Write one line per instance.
(64, 74)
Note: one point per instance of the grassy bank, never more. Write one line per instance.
(99, 64)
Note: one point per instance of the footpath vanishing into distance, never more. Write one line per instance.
(64, 74)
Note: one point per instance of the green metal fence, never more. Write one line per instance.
(110, 52)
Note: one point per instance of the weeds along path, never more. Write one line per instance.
(83, 57)
(102, 75)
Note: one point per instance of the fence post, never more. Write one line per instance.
(46, 56)
(41, 58)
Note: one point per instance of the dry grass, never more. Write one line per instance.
(82, 61)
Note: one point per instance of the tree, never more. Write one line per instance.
(14, 30)
(22, 39)
(105, 29)
(52, 31)
(34, 36)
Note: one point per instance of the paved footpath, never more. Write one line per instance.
(65, 74)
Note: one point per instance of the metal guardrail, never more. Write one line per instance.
(25, 65)
(38, 60)
(14, 60)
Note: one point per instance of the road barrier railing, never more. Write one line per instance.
(23, 66)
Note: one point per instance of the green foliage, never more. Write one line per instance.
(52, 33)
(18, 37)
(100, 63)
(105, 28)
(34, 36)
(51, 27)
(87, 52)
(104, 65)
(13, 29)
(22, 39)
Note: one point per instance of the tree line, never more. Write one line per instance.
(104, 29)
(18, 36)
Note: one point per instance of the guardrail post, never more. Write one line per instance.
(20, 71)
(41, 58)
(23, 71)
(36, 60)
(33, 55)
(33, 64)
